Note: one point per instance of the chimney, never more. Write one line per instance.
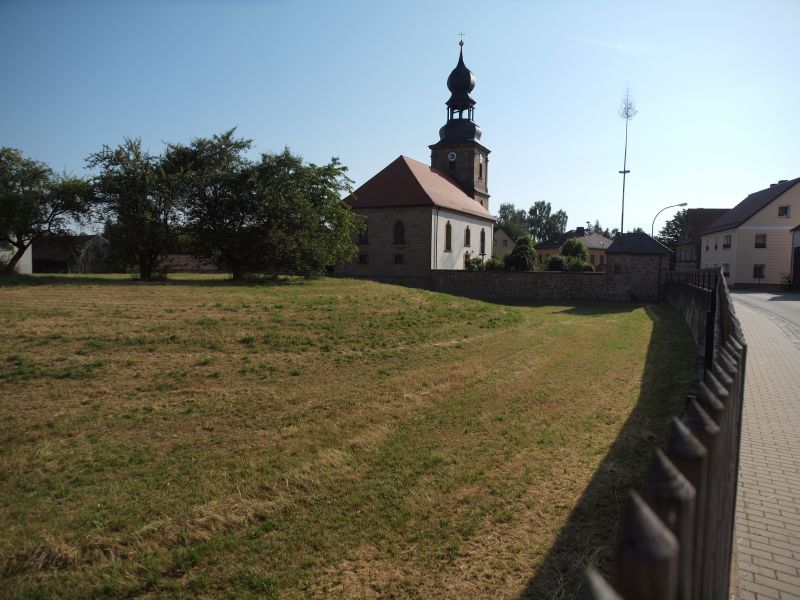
(580, 232)
(783, 181)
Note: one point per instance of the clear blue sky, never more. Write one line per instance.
(716, 84)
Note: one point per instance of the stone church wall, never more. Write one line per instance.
(380, 249)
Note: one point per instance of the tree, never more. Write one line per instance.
(35, 202)
(599, 229)
(138, 199)
(576, 255)
(311, 226)
(523, 256)
(279, 213)
(216, 185)
(673, 229)
(512, 220)
(542, 224)
(574, 247)
(627, 110)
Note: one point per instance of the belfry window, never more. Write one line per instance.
(466, 237)
(448, 235)
(399, 233)
(480, 167)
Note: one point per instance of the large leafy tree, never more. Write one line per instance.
(514, 221)
(223, 218)
(544, 224)
(137, 197)
(310, 225)
(673, 229)
(34, 202)
(279, 213)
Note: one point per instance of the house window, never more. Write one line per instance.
(726, 269)
(363, 236)
(448, 236)
(505, 243)
(466, 237)
(761, 240)
(483, 242)
(726, 241)
(617, 269)
(399, 259)
(591, 258)
(758, 271)
(716, 243)
(399, 233)
(783, 212)
(362, 259)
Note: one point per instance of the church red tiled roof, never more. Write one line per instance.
(407, 182)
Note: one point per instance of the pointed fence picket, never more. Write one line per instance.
(676, 542)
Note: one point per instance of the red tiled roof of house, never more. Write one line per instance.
(407, 182)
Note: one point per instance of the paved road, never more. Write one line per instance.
(768, 507)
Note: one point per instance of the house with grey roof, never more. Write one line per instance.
(752, 242)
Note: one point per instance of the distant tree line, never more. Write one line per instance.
(206, 198)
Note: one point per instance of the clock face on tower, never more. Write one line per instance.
(451, 156)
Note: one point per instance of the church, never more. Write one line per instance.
(421, 218)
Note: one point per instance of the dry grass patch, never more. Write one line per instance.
(196, 437)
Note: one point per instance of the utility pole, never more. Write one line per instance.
(627, 110)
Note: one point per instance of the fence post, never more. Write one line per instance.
(595, 587)
(707, 431)
(646, 561)
(671, 496)
(690, 456)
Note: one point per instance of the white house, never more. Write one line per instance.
(752, 242)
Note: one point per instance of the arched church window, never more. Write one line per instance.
(448, 235)
(399, 233)
(483, 242)
(466, 237)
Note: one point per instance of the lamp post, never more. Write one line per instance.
(662, 210)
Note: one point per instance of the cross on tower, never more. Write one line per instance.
(462, 34)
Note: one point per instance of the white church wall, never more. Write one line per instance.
(454, 259)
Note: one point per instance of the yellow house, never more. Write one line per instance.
(752, 242)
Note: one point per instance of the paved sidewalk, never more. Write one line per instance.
(768, 507)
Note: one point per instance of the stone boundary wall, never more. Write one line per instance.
(636, 278)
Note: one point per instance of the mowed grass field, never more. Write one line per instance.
(329, 438)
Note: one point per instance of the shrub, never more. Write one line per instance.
(494, 264)
(475, 264)
(523, 256)
(556, 263)
(575, 248)
(573, 263)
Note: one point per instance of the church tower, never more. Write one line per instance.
(459, 152)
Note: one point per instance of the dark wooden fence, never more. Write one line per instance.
(675, 540)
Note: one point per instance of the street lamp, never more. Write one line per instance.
(662, 210)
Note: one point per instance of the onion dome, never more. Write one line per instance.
(460, 83)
